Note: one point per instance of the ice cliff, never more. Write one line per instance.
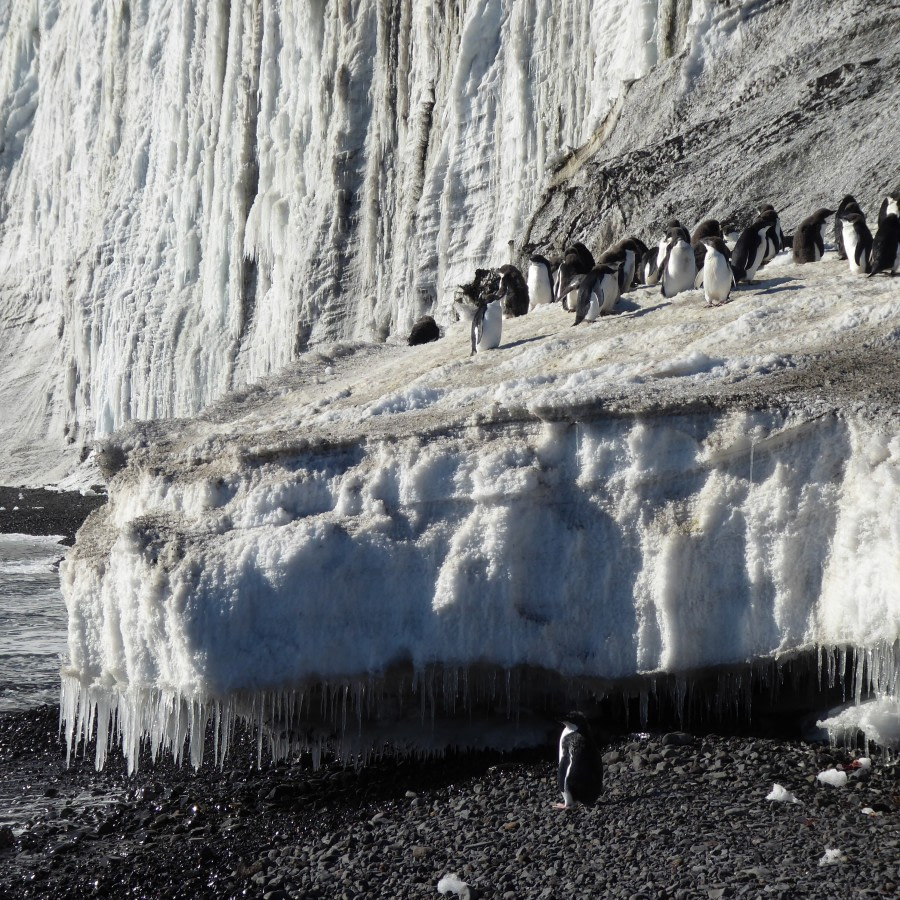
(382, 535)
(191, 193)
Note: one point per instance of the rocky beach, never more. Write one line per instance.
(680, 816)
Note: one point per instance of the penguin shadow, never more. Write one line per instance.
(521, 341)
(776, 286)
(631, 310)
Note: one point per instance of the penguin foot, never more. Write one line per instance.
(561, 806)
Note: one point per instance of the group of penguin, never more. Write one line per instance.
(684, 261)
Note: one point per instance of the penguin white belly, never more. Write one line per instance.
(628, 266)
(817, 254)
(717, 278)
(893, 208)
(491, 327)
(609, 291)
(540, 291)
(681, 270)
(760, 255)
(850, 240)
(661, 252)
(593, 310)
(568, 799)
(567, 730)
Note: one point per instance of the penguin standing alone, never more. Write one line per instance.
(580, 774)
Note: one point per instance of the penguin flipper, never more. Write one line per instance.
(477, 328)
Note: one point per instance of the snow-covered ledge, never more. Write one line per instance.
(671, 489)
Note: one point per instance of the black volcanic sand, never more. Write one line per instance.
(41, 512)
(674, 821)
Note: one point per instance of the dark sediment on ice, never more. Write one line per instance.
(675, 820)
(37, 511)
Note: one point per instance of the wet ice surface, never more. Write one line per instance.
(32, 621)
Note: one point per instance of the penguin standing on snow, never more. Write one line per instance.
(623, 256)
(845, 207)
(718, 277)
(540, 285)
(889, 206)
(774, 235)
(580, 774)
(679, 268)
(514, 290)
(576, 261)
(886, 246)
(857, 241)
(750, 250)
(597, 294)
(707, 228)
(809, 241)
(487, 325)
(649, 267)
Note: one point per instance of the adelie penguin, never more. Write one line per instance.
(487, 324)
(706, 228)
(580, 772)
(514, 290)
(540, 285)
(679, 268)
(750, 250)
(424, 332)
(847, 206)
(857, 241)
(889, 206)
(718, 278)
(597, 294)
(809, 239)
(576, 261)
(886, 247)
(623, 256)
(774, 235)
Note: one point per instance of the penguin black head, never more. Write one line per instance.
(847, 205)
(577, 721)
(821, 214)
(717, 244)
(706, 228)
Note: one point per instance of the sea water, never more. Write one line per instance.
(32, 621)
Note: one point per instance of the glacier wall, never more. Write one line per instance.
(383, 534)
(595, 550)
(191, 192)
